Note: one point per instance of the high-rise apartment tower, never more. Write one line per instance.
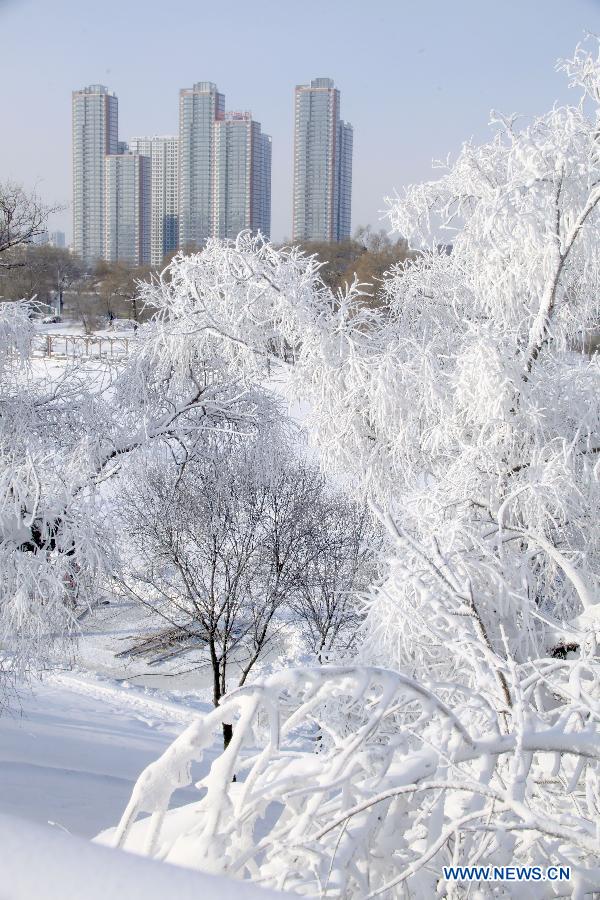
(199, 108)
(163, 152)
(322, 164)
(95, 127)
(127, 209)
(242, 177)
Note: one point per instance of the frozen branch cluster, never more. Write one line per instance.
(49, 547)
(409, 776)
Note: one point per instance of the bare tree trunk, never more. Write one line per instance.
(218, 690)
(227, 735)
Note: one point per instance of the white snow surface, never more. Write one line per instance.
(70, 756)
(40, 863)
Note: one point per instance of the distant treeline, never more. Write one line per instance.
(56, 277)
(368, 255)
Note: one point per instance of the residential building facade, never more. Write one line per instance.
(199, 108)
(344, 149)
(322, 164)
(163, 153)
(139, 201)
(127, 208)
(264, 165)
(241, 177)
(95, 130)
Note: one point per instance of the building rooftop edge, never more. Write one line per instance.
(154, 137)
(95, 89)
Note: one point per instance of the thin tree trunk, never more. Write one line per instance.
(227, 735)
(218, 691)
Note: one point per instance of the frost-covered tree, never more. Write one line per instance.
(470, 415)
(238, 549)
(65, 435)
(218, 548)
(484, 395)
(329, 606)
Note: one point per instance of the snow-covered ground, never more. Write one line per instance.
(71, 751)
(71, 754)
(39, 864)
(69, 758)
(70, 327)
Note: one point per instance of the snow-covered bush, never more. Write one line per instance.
(410, 777)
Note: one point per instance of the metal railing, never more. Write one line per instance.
(80, 345)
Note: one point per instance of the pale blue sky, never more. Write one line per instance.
(415, 79)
